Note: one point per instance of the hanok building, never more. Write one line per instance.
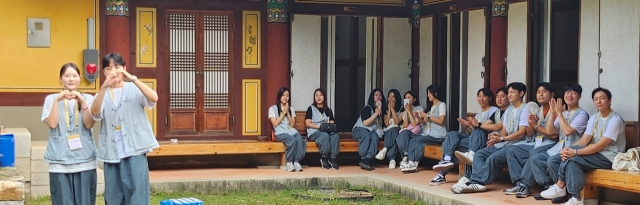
(217, 64)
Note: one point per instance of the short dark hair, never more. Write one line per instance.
(520, 87)
(604, 90)
(486, 92)
(503, 90)
(115, 57)
(574, 87)
(547, 86)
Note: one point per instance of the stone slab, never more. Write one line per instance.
(37, 149)
(11, 191)
(39, 179)
(23, 141)
(23, 166)
(39, 166)
(39, 191)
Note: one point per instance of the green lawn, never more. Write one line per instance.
(260, 197)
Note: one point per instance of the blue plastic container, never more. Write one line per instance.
(182, 201)
(8, 150)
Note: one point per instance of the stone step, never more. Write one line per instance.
(23, 141)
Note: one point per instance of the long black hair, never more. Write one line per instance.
(436, 92)
(396, 95)
(372, 103)
(279, 96)
(324, 100)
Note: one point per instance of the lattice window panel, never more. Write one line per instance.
(216, 61)
(182, 61)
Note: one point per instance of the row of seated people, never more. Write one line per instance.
(540, 142)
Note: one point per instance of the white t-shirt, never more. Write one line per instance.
(484, 116)
(524, 117)
(614, 128)
(46, 110)
(579, 122)
(273, 113)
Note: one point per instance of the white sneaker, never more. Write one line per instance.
(553, 192)
(404, 163)
(381, 154)
(297, 166)
(408, 167)
(289, 167)
(474, 188)
(392, 164)
(462, 180)
(465, 157)
(574, 201)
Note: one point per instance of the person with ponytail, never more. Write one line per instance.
(368, 128)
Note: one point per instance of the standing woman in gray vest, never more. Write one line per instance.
(126, 135)
(283, 119)
(368, 128)
(71, 152)
(433, 132)
(328, 142)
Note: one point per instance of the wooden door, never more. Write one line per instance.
(199, 48)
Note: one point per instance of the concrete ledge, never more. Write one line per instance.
(37, 150)
(23, 141)
(426, 194)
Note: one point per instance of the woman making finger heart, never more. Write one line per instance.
(71, 151)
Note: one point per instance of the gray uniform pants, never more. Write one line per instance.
(577, 166)
(539, 169)
(553, 167)
(403, 140)
(296, 146)
(367, 142)
(390, 137)
(417, 143)
(454, 141)
(127, 182)
(328, 143)
(488, 163)
(519, 163)
(477, 141)
(73, 188)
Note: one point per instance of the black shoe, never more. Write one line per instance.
(523, 193)
(538, 197)
(365, 164)
(560, 200)
(324, 162)
(334, 164)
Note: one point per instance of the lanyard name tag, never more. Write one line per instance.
(116, 128)
(538, 141)
(561, 144)
(74, 142)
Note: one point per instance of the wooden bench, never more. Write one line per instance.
(246, 146)
(608, 178)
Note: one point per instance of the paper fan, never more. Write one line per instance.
(533, 107)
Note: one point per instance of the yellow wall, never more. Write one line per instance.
(37, 69)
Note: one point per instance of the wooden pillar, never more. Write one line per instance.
(415, 49)
(277, 53)
(498, 64)
(117, 29)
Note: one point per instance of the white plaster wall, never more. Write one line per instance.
(426, 56)
(476, 50)
(305, 59)
(620, 47)
(588, 57)
(517, 43)
(396, 52)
